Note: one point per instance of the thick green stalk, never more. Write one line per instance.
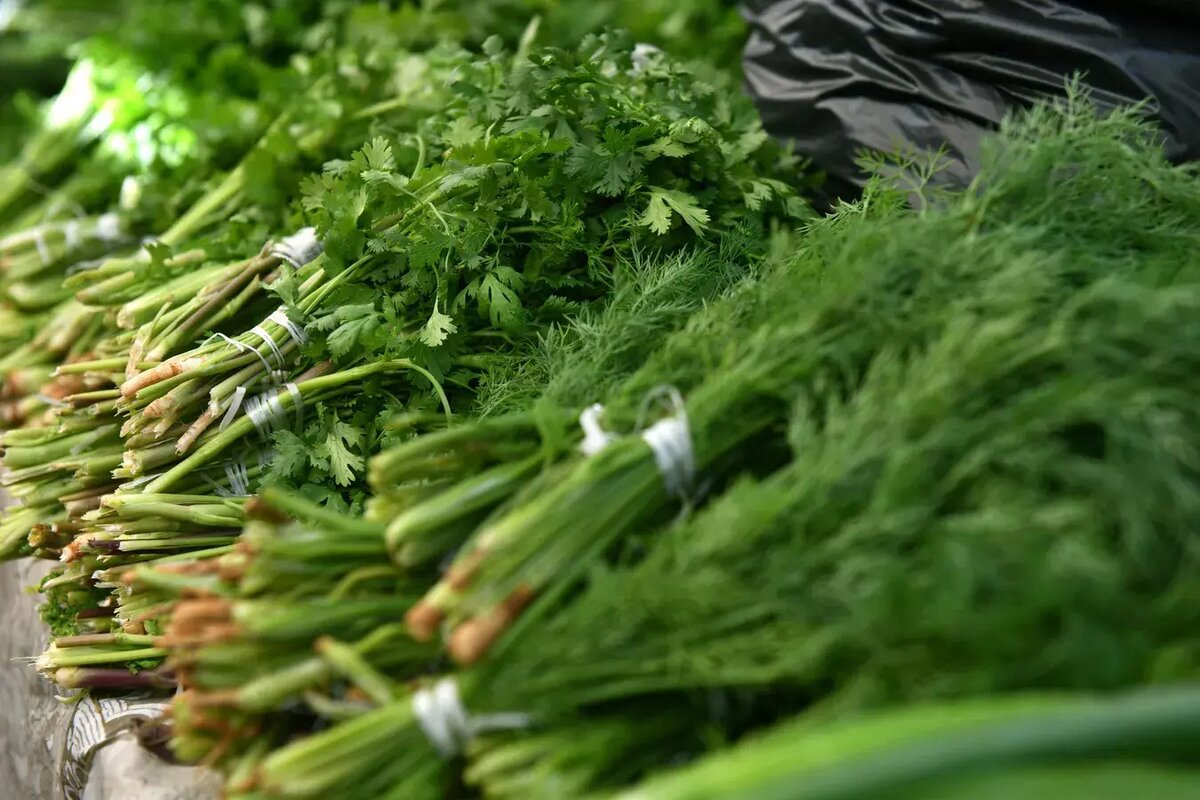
(884, 755)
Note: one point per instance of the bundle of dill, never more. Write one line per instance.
(809, 334)
(986, 480)
(928, 453)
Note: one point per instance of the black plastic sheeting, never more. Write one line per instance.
(838, 76)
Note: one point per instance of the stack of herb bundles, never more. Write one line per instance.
(942, 453)
(505, 198)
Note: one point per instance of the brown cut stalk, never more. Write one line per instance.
(198, 621)
(423, 620)
(462, 572)
(64, 386)
(77, 508)
(198, 427)
(258, 509)
(471, 640)
(164, 371)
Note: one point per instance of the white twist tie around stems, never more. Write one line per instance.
(299, 248)
(108, 228)
(279, 317)
(595, 438)
(244, 348)
(265, 411)
(39, 241)
(239, 395)
(670, 439)
(447, 724)
(71, 234)
(641, 55)
(297, 401)
(143, 255)
(8, 12)
(239, 480)
(261, 332)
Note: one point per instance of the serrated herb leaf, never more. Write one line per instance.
(437, 328)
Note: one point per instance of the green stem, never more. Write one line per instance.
(68, 659)
(195, 217)
(242, 426)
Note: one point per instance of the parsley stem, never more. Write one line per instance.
(243, 425)
(298, 506)
(84, 656)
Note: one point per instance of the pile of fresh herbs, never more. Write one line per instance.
(452, 397)
(499, 194)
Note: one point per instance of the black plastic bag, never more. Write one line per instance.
(840, 76)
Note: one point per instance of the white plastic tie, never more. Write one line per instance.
(297, 401)
(261, 332)
(71, 234)
(239, 479)
(143, 255)
(670, 439)
(108, 228)
(595, 438)
(299, 248)
(265, 411)
(279, 317)
(239, 395)
(447, 725)
(8, 12)
(39, 241)
(245, 348)
(641, 56)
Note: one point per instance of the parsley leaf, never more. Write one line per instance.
(340, 438)
(663, 201)
(437, 328)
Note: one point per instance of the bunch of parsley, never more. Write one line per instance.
(507, 209)
(511, 206)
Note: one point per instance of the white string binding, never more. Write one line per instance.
(71, 234)
(239, 479)
(245, 348)
(299, 248)
(297, 401)
(670, 439)
(261, 333)
(265, 411)
(595, 438)
(279, 317)
(641, 56)
(108, 228)
(447, 725)
(39, 241)
(8, 12)
(239, 394)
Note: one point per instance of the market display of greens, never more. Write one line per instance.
(462, 399)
